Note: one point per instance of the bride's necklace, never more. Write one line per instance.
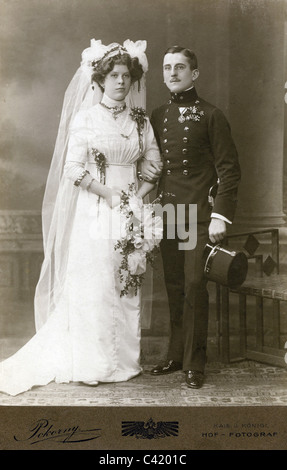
(115, 110)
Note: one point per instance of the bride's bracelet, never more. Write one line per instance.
(81, 177)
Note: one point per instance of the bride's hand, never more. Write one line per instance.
(113, 197)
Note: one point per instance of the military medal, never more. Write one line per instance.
(194, 114)
(181, 118)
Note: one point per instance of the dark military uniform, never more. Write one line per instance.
(197, 151)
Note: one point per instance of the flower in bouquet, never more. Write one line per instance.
(137, 262)
(136, 206)
(152, 226)
(140, 238)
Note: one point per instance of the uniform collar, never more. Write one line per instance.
(185, 96)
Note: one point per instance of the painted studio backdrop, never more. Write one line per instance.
(240, 46)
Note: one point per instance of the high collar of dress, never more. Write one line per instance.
(110, 102)
(184, 97)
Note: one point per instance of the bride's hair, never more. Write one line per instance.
(107, 65)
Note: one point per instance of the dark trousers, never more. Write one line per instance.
(188, 300)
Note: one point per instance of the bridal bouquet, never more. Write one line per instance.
(141, 233)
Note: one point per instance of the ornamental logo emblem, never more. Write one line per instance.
(149, 429)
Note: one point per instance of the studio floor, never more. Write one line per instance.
(246, 383)
(241, 383)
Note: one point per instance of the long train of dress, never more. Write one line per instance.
(93, 334)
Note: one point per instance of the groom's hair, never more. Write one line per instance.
(186, 52)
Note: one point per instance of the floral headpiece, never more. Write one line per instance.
(97, 52)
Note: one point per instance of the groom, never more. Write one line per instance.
(198, 154)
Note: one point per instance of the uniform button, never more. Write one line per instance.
(165, 141)
(184, 151)
(168, 162)
(166, 150)
(168, 172)
(186, 129)
(185, 172)
(185, 162)
(165, 129)
(185, 140)
(165, 120)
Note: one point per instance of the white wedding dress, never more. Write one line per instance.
(92, 334)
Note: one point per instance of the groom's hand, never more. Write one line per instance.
(217, 230)
(151, 170)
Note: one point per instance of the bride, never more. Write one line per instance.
(86, 331)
